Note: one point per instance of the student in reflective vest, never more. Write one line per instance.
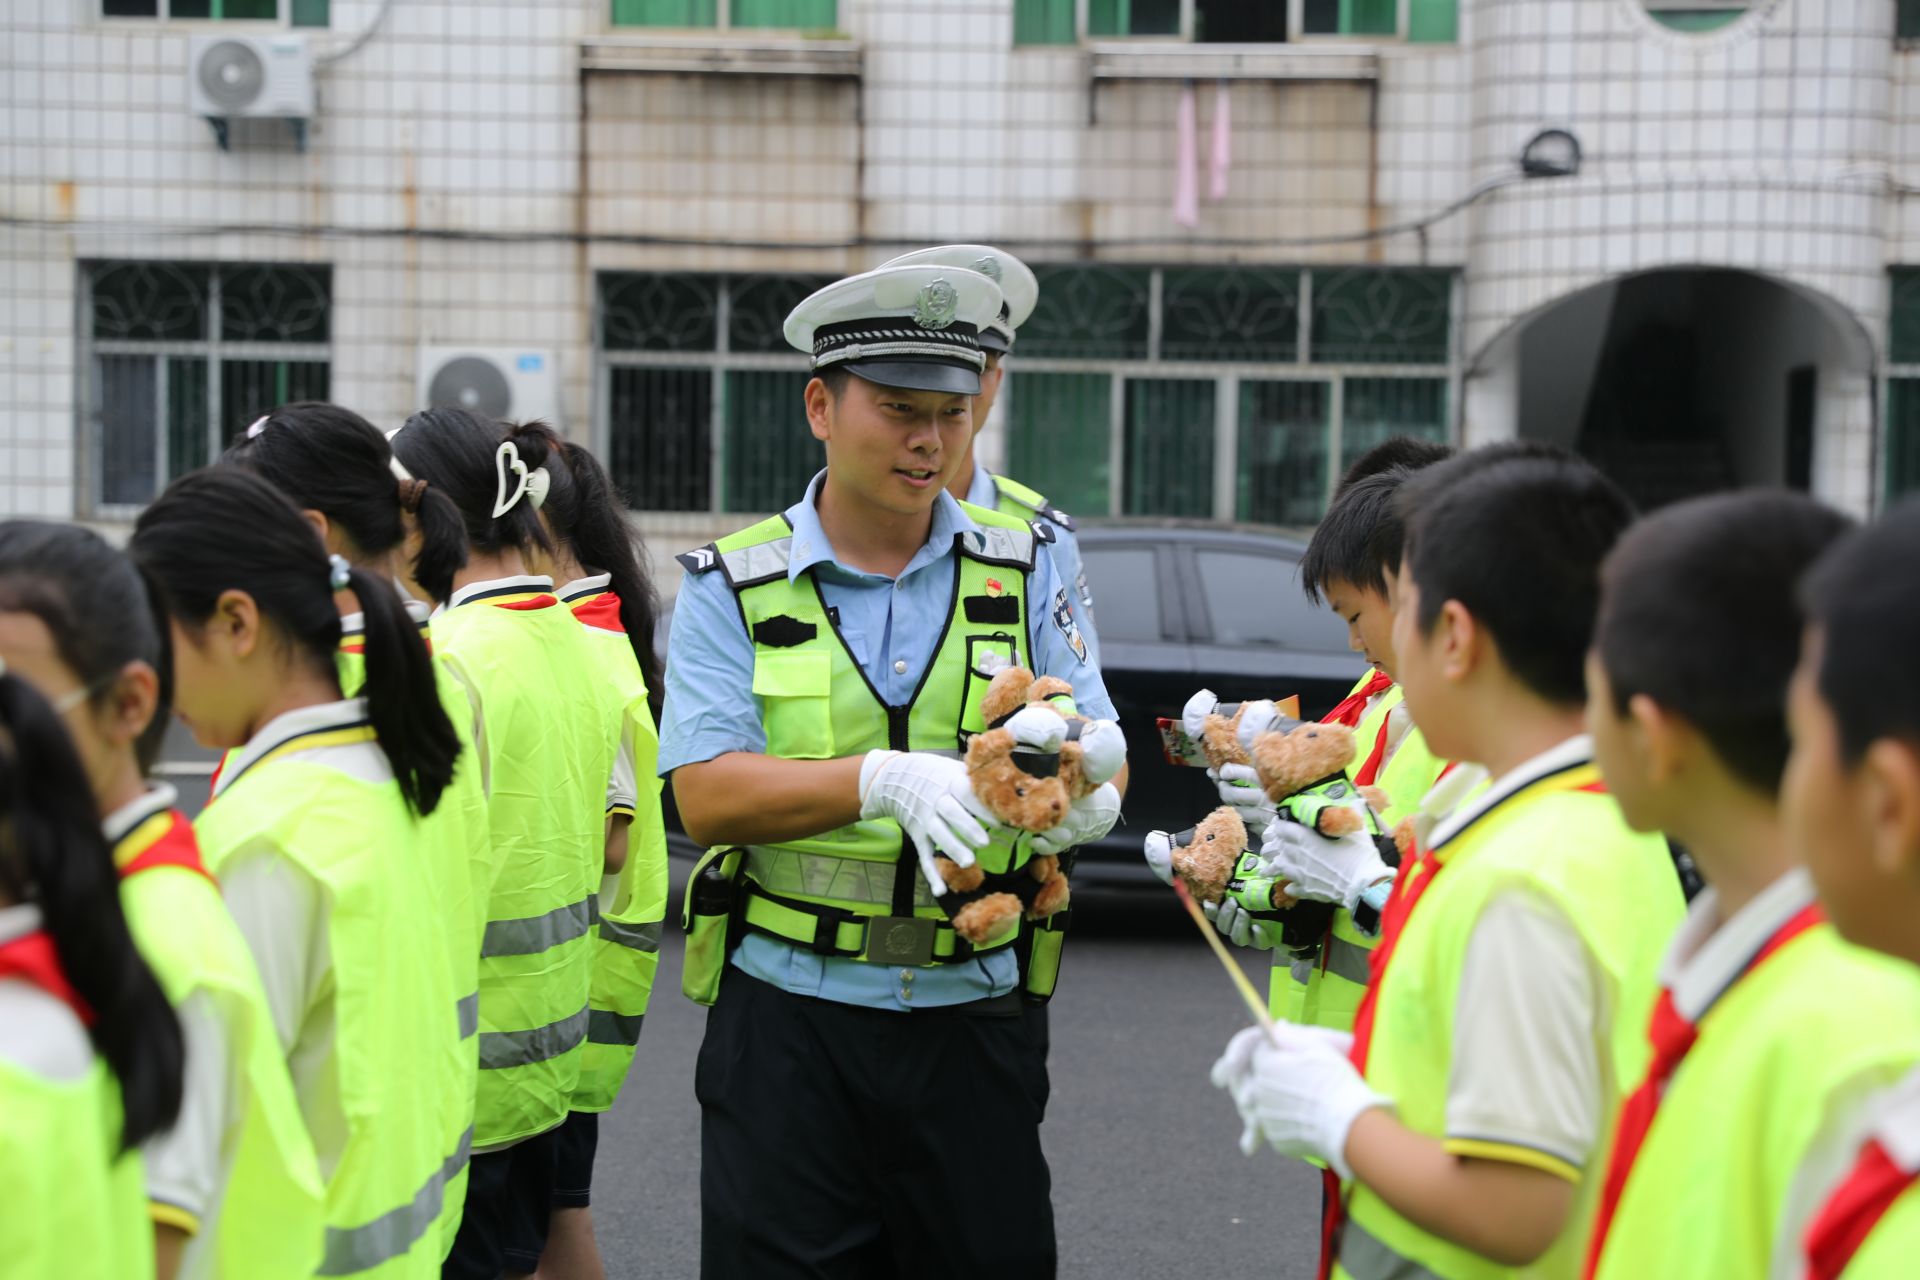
(1766, 1023)
(597, 559)
(1348, 564)
(1851, 806)
(90, 1051)
(825, 668)
(1504, 1016)
(314, 837)
(339, 470)
(546, 733)
(232, 1187)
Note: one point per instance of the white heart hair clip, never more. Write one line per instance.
(259, 425)
(507, 458)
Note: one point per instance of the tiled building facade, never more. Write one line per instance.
(614, 202)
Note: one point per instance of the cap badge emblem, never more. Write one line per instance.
(936, 305)
(988, 267)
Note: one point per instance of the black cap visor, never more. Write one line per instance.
(992, 339)
(917, 375)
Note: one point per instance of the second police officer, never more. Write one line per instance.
(866, 1075)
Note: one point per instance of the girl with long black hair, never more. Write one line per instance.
(232, 1187)
(312, 831)
(90, 1053)
(546, 733)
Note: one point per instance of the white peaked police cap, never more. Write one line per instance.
(912, 327)
(1017, 284)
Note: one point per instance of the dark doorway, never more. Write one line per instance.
(1801, 384)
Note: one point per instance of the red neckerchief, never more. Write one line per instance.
(1853, 1210)
(1354, 705)
(32, 957)
(163, 840)
(600, 610)
(1673, 1037)
(1416, 877)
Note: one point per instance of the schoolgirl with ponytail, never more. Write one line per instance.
(546, 736)
(232, 1187)
(313, 834)
(599, 563)
(90, 1053)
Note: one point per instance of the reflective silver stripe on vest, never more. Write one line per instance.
(500, 1050)
(607, 1027)
(466, 1010)
(350, 1250)
(762, 560)
(1348, 960)
(635, 937)
(1366, 1258)
(990, 542)
(1301, 971)
(793, 874)
(535, 934)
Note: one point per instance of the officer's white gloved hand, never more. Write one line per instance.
(1231, 919)
(1037, 728)
(1103, 750)
(1088, 818)
(1239, 789)
(1258, 717)
(932, 799)
(1158, 848)
(1326, 868)
(1301, 1094)
(1193, 716)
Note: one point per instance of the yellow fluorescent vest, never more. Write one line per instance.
(272, 1208)
(1818, 1023)
(626, 942)
(396, 1043)
(816, 703)
(1570, 846)
(548, 734)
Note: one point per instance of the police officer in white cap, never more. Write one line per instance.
(866, 1074)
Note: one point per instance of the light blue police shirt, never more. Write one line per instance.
(1066, 559)
(891, 626)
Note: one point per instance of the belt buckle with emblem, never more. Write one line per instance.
(902, 940)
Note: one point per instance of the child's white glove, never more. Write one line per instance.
(1302, 1095)
(1326, 868)
(1239, 789)
(1231, 919)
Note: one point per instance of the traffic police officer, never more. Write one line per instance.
(866, 1074)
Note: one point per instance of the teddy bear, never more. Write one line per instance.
(1028, 767)
(1214, 861)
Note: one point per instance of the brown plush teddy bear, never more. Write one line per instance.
(1303, 770)
(1214, 862)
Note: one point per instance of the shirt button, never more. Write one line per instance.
(906, 976)
(906, 995)
(900, 667)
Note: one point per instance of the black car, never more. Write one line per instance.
(1181, 608)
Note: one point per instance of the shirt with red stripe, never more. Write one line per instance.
(1879, 1188)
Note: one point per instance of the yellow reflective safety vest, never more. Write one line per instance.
(1790, 1046)
(546, 744)
(1560, 837)
(817, 704)
(1863, 1220)
(271, 1213)
(396, 1043)
(1027, 504)
(70, 1204)
(626, 942)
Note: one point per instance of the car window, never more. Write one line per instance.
(1255, 599)
(1126, 593)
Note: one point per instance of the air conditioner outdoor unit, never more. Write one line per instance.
(512, 383)
(250, 78)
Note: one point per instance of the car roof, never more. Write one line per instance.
(1289, 541)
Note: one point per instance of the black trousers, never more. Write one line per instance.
(509, 1198)
(861, 1144)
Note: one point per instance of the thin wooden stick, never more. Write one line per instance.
(1212, 935)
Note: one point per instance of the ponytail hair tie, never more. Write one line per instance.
(411, 491)
(339, 573)
(530, 484)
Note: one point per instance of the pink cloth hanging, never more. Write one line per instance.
(1220, 159)
(1186, 161)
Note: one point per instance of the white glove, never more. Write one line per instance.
(1037, 728)
(1103, 746)
(1302, 1095)
(1158, 848)
(932, 799)
(1231, 919)
(1193, 716)
(1327, 868)
(1239, 789)
(1088, 818)
(1257, 718)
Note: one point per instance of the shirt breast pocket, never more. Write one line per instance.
(795, 691)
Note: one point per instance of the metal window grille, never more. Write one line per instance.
(1043, 22)
(806, 15)
(1900, 455)
(177, 358)
(298, 13)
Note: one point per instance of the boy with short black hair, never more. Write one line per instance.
(1851, 806)
(1519, 942)
(1766, 1024)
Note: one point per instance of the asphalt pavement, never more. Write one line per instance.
(1147, 1179)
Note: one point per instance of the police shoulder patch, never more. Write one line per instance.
(1042, 531)
(1059, 517)
(699, 560)
(1063, 619)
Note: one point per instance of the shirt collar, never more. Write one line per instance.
(584, 586)
(355, 624)
(1898, 1124)
(1577, 750)
(18, 920)
(983, 492)
(1706, 957)
(282, 729)
(158, 798)
(811, 547)
(524, 582)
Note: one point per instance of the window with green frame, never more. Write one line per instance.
(1696, 15)
(297, 13)
(1906, 22)
(1054, 22)
(1902, 465)
(812, 15)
